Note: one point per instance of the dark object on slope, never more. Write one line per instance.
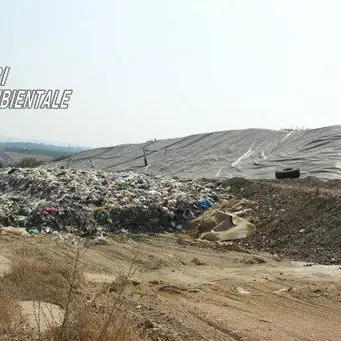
(12, 170)
(288, 173)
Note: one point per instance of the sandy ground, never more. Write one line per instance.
(41, 315)
(183, 291)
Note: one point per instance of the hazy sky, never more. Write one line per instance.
(143, 69)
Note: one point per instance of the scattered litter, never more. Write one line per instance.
(205, 203)
(243, 291)
(33, 231)
(51, 210)
(100, 240)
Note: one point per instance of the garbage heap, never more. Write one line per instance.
(94, 202)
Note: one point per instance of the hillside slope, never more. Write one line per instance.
(13, 152)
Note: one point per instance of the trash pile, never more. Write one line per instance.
(95, 202)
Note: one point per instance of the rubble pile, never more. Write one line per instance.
(93, 202)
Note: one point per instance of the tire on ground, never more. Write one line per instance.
(288, 173)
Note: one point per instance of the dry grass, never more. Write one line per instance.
(36, 280)
(91, 312)
(10, 321)
(88, 323)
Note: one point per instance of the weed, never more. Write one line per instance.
(62, 283)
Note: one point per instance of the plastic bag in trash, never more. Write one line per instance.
(33, 231)
(205, 203)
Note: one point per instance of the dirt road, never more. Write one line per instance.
(182, 291)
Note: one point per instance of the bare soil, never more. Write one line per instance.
(296, 218)
(182, 289)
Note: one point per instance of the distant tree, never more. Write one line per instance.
(60, 158)
(29, 162)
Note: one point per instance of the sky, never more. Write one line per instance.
(145, 69)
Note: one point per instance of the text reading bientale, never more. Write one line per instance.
(31, 98)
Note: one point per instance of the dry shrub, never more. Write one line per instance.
(63, 284)
(35, 280)
(89, 323)
(8, 315)
(12, 326)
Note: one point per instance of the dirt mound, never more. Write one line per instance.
(300, 219)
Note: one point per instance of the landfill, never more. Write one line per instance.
(95, 202)
(250, 153)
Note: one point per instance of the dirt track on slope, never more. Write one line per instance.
(184, 291)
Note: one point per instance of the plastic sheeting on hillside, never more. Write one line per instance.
(251, 153)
